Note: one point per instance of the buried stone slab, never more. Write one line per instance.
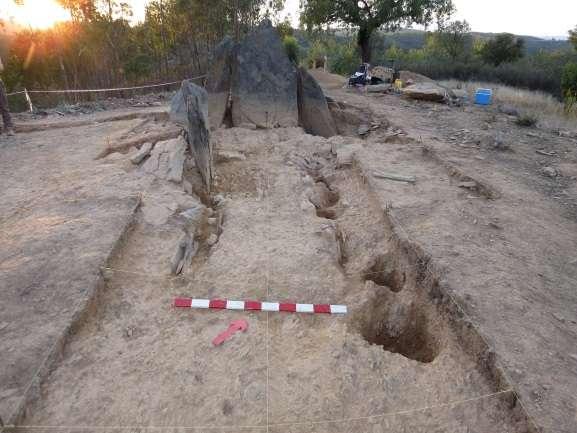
(314, 113)
(166, 160)
(264, 81)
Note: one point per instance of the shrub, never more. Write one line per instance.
(503, 48)
(291, 47)
(569, 80)
(526, 120)
(344, 59)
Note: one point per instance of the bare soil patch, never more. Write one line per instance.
(433, 339)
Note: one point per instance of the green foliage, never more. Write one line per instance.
(526, 120)
(344, 58)
(503, 48)
(573, 37)
(569, 85)
(99, 48)
(285, 28)
(316, 54)
(454, 40)
(369, 16)
(292, 49)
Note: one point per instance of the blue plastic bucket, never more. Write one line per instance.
(483, 96)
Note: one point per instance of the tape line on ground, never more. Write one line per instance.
(116, 89)
(255, 427)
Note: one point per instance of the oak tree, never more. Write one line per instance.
(370, 15)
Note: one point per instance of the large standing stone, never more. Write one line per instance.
(219, 82)
(314, 114)
(264, 81)
(178, 113)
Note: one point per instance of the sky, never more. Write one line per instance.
(553, 18)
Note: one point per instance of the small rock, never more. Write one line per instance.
(212, 221)
(115, 156)
(559, 317)
(218, 199)
(549, 172)
(187, 186)
(142, 153)
(468, 185)
(193, 213)
(509, 110)
(212, 240)
(229, 156)
(573, 357)
(499, 144)
(364, 129)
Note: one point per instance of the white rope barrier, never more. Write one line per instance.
(116, 89)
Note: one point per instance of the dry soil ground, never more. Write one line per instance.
(460, 287)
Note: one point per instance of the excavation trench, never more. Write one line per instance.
(403, 345)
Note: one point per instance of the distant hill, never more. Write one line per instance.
(415, 39)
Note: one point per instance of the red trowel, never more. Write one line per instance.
(237, 325)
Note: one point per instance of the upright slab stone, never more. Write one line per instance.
(314, 114)
(264, 81)
(219, 82)
(199, 136)
(189, 109)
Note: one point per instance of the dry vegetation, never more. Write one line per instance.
(549, 111)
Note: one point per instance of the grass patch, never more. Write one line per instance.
(547, 111)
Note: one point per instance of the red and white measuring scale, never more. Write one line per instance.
(220, 304)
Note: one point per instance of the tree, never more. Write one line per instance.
(455, 39)
(292, 49)
(573, 37)
(503, 48)
(371, 15)
(569, 85)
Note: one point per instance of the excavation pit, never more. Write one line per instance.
(383, 273)
(401, 327)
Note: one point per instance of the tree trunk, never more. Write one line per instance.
(364, 42)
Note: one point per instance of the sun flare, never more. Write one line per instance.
(38, 14)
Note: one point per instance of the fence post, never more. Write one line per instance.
(30, 106)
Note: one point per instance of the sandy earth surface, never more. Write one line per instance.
(457, 301)
(510, 261)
